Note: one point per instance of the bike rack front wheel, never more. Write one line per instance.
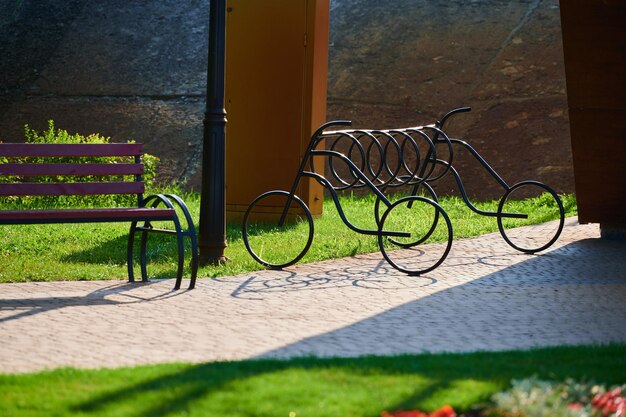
(542, 205)
(411, 220)
(264, 224)
(421, 190)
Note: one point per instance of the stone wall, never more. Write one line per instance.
(137, 70)
(128, 70)
(407, 62)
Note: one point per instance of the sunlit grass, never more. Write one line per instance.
(98, 251)
(356, 387)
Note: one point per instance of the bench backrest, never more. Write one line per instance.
(46, 166)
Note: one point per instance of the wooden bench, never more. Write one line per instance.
(112, 178)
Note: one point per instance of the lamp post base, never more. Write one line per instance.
(213, 260)
(211, 250)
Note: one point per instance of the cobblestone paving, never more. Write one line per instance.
(485, 296)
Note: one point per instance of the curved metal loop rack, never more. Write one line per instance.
(382, 161)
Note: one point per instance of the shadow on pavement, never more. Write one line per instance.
(25, 307)
(572, 295)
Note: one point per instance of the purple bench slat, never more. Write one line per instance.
(31, 170)
(69, 149)
(77, 188)
(93, 214)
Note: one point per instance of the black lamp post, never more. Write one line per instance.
(212, 230)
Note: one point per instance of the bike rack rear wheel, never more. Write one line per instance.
(263, 220)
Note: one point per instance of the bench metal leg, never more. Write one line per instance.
(129, 251)
(173, 202)
(191, 233)
(143, 259)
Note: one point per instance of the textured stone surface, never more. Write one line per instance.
(168, 129)
(485, 296)
(406, 63)
(138, 70)
(125, 70)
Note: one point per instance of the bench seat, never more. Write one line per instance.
(52, 170)
(89, 215)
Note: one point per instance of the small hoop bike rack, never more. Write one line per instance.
(380, 161)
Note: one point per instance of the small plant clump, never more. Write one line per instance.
(532, 397)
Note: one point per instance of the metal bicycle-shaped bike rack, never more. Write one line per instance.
(380, 161)
(548, 207)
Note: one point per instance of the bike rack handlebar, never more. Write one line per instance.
(442, 121)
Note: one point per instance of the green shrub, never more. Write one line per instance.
(532, 398)
(54, 135)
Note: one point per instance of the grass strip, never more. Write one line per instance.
(98, 251)
(357, 387)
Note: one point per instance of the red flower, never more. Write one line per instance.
(610, 403)
(445, 411)
(575, 406)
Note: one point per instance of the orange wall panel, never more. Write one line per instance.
(276, 70)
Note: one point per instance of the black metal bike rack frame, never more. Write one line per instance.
(381, 160)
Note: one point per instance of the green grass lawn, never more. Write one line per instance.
(359, 387)
(98, 251)
(351, 387)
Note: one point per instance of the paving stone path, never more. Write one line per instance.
(485, 296)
